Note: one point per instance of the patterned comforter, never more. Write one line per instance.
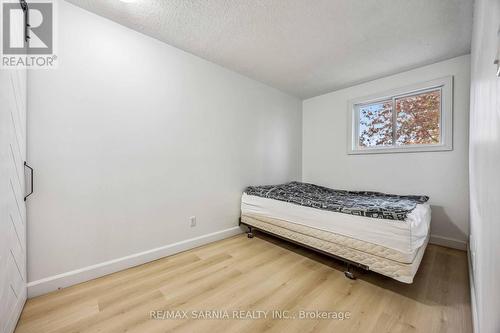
(369, 204)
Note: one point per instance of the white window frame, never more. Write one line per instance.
(444, 84)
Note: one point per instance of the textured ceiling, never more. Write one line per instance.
(303, 47)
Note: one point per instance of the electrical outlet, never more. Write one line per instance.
(192, 221)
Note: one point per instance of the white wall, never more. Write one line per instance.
(485, 165)
(129, 137)
(441, 175)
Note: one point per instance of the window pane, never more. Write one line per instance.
(418, 119)
(375, 124)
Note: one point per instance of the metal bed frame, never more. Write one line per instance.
(349, 273)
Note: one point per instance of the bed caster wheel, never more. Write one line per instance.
(250, 232)
(348, 273)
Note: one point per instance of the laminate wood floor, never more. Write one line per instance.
(239, 275)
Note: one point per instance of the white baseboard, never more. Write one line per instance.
(475, 320)
(67, 279)
(449, 242)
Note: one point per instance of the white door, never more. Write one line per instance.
(12, 192)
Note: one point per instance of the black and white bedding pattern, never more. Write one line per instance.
(360, 203)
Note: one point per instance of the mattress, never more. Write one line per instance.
(400, 239)
(361, 203)
(372, 257)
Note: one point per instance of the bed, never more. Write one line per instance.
(380, 232)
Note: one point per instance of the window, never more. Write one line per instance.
(416, 118)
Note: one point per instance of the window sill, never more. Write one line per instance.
(385, 150)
